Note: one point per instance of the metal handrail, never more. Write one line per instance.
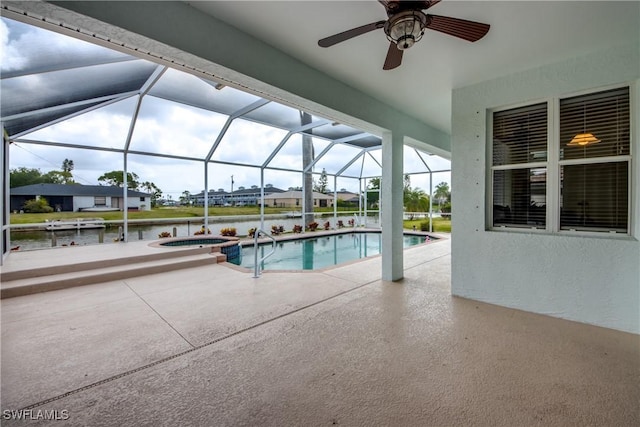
(256, 268)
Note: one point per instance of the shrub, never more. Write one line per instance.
(340, 223)
(327, 225)
(424, 225)
(37, 206)
(277, 229)
(297, 228)
(164, 234)
(201, 231)
(228, 231)
(313, 226)
(252, 232)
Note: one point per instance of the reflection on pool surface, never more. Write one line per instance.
(320, 252)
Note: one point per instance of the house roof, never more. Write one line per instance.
(72, 190)
(267, 190)
(211, 193)
(344, 195)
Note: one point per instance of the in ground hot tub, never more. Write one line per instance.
(224, 244)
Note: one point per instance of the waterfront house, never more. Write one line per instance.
(77, 198)
(293, 199)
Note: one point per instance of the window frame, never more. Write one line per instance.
(553, 164)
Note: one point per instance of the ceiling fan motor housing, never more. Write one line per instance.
(406, 28)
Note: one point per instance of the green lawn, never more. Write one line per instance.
(439, 224)
(157, 213)
(442, 225)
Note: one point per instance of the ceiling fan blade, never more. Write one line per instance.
(346, 35)
(394, 57)
(467, 30)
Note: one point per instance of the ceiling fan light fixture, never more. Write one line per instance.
(583, 139)
(406, 28)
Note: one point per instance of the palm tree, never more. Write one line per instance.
(186, 197)
(416, 200)
(152, 189)
(67, 165)
(442, 193)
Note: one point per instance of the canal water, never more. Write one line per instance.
(41, 239)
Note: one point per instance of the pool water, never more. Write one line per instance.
(320, 252)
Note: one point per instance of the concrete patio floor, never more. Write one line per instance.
(212, 346)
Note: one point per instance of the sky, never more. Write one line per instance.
(165, 126)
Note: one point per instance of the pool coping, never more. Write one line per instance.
(319, 233)
(322, 233)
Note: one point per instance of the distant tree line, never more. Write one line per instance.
(27, 176)
(415, 199)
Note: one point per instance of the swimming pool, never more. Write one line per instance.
(319, 252)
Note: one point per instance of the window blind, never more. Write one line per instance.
(520, 135)
(605, 115)
(519, 197)
(593, 179)
(594, 194)
(519, 186)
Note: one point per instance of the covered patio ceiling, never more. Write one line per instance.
(233, 40)
(60, 79)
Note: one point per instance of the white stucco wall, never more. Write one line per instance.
(80, 202)
(135, 202)
(144, 206)
(593, 280)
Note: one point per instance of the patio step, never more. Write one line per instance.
(70, 265)
(20, 283)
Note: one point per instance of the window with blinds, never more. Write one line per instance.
(590, 171)
(594, 171)
(519, 167)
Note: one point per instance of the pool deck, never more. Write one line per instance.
(211, 345)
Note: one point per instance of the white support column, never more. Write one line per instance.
(206, 195)
(359, 201)
(364, 197)
(125, 202)
(5, 239)
(391, 199)
(262, 198)
(304, 210)
(430, 202)
(335, 202)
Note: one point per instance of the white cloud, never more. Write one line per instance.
(26, 46)
(248, 142)
(10, 57)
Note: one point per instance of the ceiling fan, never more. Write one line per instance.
(406, 25)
